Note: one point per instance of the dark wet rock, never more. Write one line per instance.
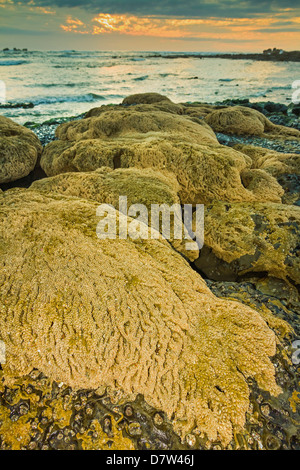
(291, 186)
(26, 182)
(284, 146)
(16, 105)
(242, 239)
(280, 298)
(52, 416)
(46, 131)
(294, 109)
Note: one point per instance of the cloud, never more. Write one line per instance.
(278, 30)
(6, 30)
(193, 29)
(175, 8)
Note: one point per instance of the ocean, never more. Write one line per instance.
(69, 83)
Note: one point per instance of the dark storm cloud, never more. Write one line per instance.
(187, 8)
(5, 30)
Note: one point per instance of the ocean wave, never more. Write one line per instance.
(55, 85)
(85, 98)
(259, 94)
(140, 79)
(88, 97)
(282, 87)
(5, 63)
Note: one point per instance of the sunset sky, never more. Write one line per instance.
(173, 25)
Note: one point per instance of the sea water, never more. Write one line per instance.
(68, 83)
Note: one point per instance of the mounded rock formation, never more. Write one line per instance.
(205, 170)
(247, 238)
(145, 98)
(140, 186)
(131, 122)
(285, 167)
(275, 163)
(124, 314)
(240, 120)
(19, 150)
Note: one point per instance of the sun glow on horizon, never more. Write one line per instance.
(75, 25)
(235, 29)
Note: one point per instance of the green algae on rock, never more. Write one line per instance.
(37, 413)
(244, 238)
(139, 186)
(128, 315)
(116, 123)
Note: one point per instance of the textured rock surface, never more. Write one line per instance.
(275, 163)
(145, 98)
(245, 121)
(140, 186)
(285, 167)
(19, 150)
(244, 238)
(77, 420)
(128, 315)
(116, 123)
(205, 172)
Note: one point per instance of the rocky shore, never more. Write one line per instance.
(138, 343)
(269, 55)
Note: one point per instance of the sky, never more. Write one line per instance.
(150, 25)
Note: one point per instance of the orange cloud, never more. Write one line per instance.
(178, 28)
(43, 10)
(73, 25)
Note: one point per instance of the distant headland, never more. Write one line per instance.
(275, 55)
(15, 49)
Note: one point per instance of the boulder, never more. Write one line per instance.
(19, 150)
(240, 120)
(116, 123)
(145, 98)
(244, 238)
(285, 167)
(140, 186)
(275, 163)
(127, 315)
(205, 172)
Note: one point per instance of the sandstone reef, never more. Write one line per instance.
(199, 344)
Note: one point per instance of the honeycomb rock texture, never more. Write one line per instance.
(123, 314)
(139, 186)
(204, 172)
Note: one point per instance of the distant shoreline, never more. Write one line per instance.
(272, 56)
(269, 55)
